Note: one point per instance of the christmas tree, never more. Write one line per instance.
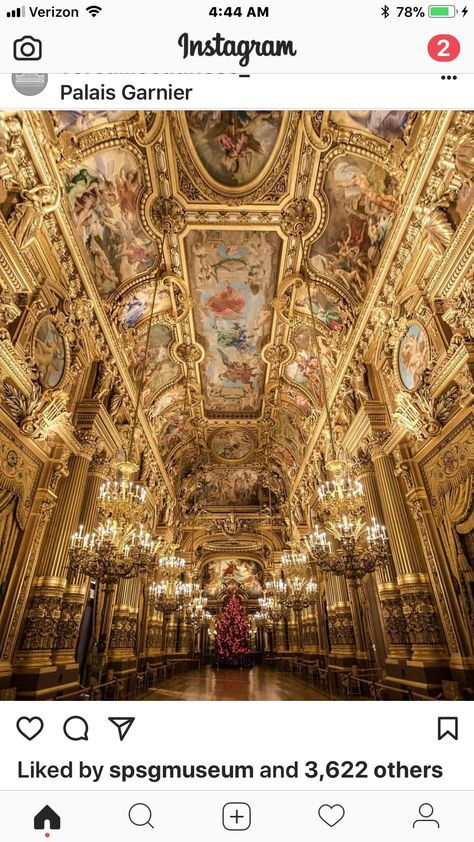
(233, 631)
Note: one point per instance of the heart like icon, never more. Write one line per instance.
(30, 728)
(331, 814)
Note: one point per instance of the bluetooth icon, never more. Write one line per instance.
(385, 11)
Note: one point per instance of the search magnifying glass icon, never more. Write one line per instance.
(140, 815)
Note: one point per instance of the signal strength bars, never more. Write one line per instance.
(19, 12)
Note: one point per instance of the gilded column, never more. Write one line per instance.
(419, 610)
(394, 625)
(41, 627)
(73, 601)
(154, 636)
(25, 563)
(456, 630)
(341, 625)
(124, 627)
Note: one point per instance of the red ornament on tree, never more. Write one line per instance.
(233, 631)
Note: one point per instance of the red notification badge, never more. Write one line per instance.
(444, 47)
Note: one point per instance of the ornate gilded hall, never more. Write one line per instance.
(236, 405)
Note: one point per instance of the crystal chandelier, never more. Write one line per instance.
(165, 596)
(273, 599)
(122, 498)
(359, 548)
(341, 493)
(171, 567)
(319, 548)
(294, 562)
(263, 620)
(276, 587)
(196, 613)
(189, 591)
(301, 594)
(111, 553)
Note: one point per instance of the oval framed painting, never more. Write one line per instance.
(413, 356)
(234, 150)
(231, 444)
(49, 353)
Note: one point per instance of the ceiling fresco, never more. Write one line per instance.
(363, 199)
(222, 486)
(233, 277)
(386, 124)
(219, 575)
(215, 204)
(304, 369)
(231, 444)
(160, 369)
(234, 146)
(103, 194)
(137, 306)
(80, 121)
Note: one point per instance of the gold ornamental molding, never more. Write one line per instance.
(19, 473)
(372, 417)
(15, 274)
(91, 417)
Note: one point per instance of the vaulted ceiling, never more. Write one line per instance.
(202, 220)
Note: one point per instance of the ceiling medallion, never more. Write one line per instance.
(299, 217)
(168, 216)
(231, 444)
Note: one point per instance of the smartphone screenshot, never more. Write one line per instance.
(236, 421)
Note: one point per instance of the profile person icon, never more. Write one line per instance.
(426, 811)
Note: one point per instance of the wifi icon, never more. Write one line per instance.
(94, 10)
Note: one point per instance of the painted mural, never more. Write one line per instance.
(138, 306)
(386, 124)
(103, 195)
(218, 575)
(224, 486)
(175, 394)
(49, 354)
(233, 277)
(80, 121)
(413, 357)
(283, 455)
(160, 369)
(175, 430)
(363, 200)
(333, 312)
(288, 432)
(234, 146)
(297, 398)
(231, 444)
(304, 369)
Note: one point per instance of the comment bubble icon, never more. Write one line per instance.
(76, 728)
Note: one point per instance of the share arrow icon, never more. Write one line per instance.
(123, 724)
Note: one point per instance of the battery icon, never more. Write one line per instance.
(442, 11)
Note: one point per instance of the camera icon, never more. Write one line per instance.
(27, 49)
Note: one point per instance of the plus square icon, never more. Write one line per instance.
(236, 815)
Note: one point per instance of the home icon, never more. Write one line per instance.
(45, 817)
